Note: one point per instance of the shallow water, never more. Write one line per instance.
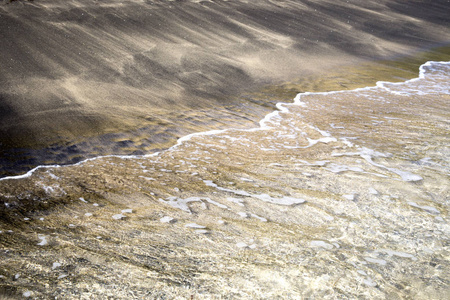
(336, 195)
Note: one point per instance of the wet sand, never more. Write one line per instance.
(80, 79)
(345, 197)
(340, 195)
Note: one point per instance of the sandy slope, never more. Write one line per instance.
(73, 69)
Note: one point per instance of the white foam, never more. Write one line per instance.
(220, 205)
(346, 141)
(258, 217)
(318, 163)
(367, 155)
(397, 253)
(190, 136)
(147, 178)
(424, 70)
(362, 272)
(438, 218)
(241, 245)
(27, 294)
(378, 261)
(118, 217)
(236, 200)
(324, 140)
(246, 179)
(194, 225)
(56, 265)
(237, 192)
(285, 200)
(328, 218)
(350, 197)
(369, 282)
(166, 219)
(242, 214)
(181, 203)
(336, 127)
(321, 244)
(373, 191)
(406, 176)
(429, 209)
(52, 190)
(29, 173)
(43, 239)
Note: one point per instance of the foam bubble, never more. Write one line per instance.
(194, 225)
(321, 244)
(43, 239)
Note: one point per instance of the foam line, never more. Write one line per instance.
(281, 107)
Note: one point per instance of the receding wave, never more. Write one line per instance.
(338, 194)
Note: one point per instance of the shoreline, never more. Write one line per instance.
(408, 63)
(349, 77)
(302, 149)
(296, 203)
(82, 79)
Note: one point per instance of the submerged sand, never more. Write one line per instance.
(338, 196)
(82, 78)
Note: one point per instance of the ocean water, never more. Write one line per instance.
(337, 195)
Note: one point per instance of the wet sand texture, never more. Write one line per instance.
(340, 195)
(77, 69)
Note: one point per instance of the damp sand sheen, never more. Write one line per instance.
(337, 195)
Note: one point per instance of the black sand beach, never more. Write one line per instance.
(81, 78)
(342, 194)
